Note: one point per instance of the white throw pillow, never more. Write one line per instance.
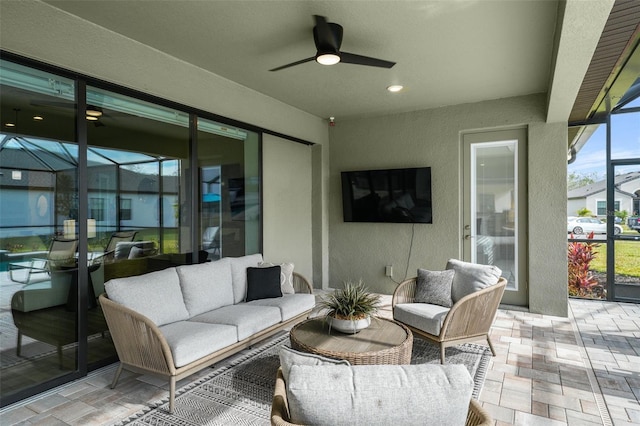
(286, 275)
(471, 277)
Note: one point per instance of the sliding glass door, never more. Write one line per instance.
(96, 184)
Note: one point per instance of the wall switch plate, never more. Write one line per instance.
(388, 270)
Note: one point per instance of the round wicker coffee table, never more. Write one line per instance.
(383, 342)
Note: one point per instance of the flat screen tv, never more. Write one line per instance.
(391, 195)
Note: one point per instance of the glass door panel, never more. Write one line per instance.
(229, 183)
(626, 253)
(38, 230)
(494, 211)
(137, 195)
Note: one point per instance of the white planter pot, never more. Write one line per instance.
(349, 326)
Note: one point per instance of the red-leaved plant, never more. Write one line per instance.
(581, 281)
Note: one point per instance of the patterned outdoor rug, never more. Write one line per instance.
(240, 393)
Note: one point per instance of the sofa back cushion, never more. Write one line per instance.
(156, 295)
(471, 277)
(239, 267)
(379, 394)
(206, 286)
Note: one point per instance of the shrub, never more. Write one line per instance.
(581, 280)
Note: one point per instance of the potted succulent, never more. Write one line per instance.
(349, 309)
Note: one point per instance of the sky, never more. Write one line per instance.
(625, 134)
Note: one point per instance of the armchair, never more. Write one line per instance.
(280, 415)
(469, 319)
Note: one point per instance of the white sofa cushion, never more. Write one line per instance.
(290, 305)
(248, 319)
(206, 286)
(379, 394)
(156, 295)
(239, 267)
(190, 341)
(422, 316)
(471, 277)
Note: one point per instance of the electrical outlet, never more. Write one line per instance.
(388, 270)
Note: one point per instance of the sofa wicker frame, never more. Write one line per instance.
(476, 416)
(469, 319)
(142, 348)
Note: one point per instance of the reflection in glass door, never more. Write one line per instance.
(39, 270)
(494, 208)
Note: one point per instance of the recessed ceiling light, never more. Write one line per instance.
(10, 124)
(91, 118)
(94, 111)
(38, 117)
(395, 88)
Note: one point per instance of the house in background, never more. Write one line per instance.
(594, 196)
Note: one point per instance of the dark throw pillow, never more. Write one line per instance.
(263, 283)
(434, 287)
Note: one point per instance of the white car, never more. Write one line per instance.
(585, 225)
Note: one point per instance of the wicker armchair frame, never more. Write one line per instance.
(469, 319)
(142, 348)
(477, 416)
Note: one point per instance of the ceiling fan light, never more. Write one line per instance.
(328, 59)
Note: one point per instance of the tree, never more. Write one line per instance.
(584, 212)
(578, 180)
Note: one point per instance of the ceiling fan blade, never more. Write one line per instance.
(324, 36)
(352, 58)
(294, 64)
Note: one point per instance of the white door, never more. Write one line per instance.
(494, 211)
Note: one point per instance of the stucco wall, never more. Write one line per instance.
(432, 138)
(287, 190)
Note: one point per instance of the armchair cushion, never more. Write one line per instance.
(290, 357)
(434, 287)
(379, 394)
(471, 277)
(425, 317)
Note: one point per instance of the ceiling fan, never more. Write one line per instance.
(328, 39)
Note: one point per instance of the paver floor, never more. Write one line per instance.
(580, 370)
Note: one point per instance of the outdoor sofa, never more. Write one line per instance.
(174, 322)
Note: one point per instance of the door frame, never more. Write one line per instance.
(518, 296)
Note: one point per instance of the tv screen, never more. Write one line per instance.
(392, 195)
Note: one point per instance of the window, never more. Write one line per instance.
(125, 209)
(602, 207)
(96, 208)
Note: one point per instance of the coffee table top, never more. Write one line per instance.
(383, 342)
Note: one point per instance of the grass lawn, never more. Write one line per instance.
(627, 258)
